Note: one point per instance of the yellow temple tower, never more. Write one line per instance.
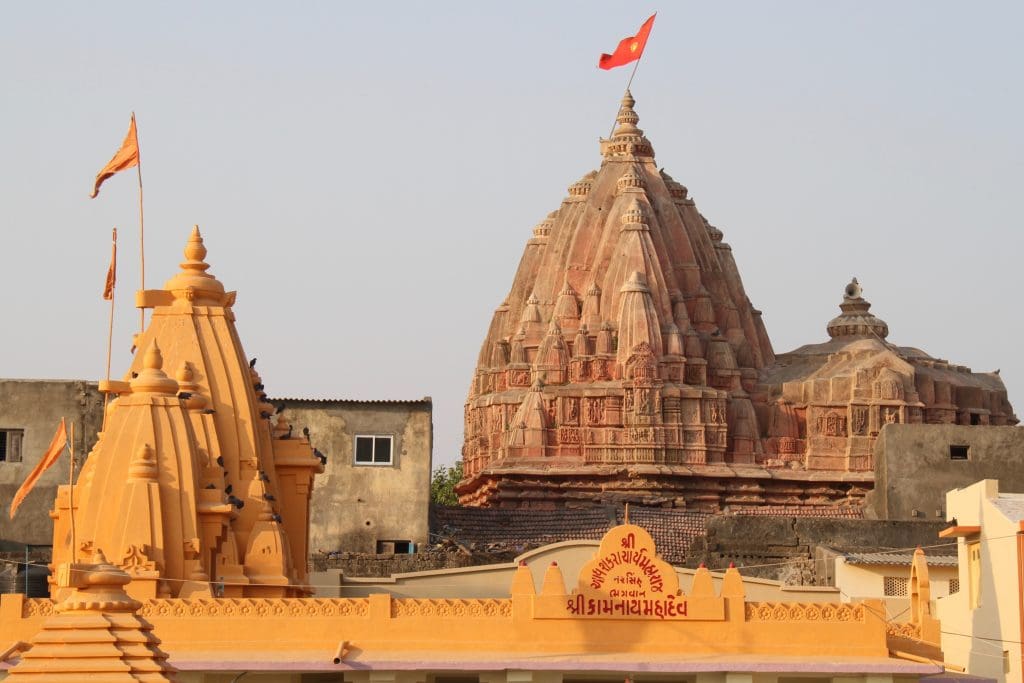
(190, 488)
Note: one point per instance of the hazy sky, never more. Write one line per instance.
(366, 175)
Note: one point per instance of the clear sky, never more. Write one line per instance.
(366, 175)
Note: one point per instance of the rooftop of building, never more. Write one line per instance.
(900, 559)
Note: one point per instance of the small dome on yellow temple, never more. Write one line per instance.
(152, 379)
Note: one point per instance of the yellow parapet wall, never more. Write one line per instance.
(655, 626)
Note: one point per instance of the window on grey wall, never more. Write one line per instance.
(373, 449)
(10, 444)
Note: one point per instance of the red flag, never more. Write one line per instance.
(108, 289)
(60, 440)
(629, 49)
(126, 157)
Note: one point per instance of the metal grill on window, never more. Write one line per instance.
(895, 586)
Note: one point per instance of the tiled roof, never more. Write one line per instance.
(823, 511)
(673, 530)
(426, 400)
(519, 530)
(905, 559)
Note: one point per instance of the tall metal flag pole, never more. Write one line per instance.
(108, 293)
(142, 232)
(636, 65)
(128, 157)
(71, 490)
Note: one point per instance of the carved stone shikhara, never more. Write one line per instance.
(627, 363)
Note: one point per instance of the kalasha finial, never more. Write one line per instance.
(627, 118)
(195, 252)
(192, 283)
(153, 360)
(152, 379)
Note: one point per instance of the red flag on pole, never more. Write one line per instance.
(60, 440)
(108, 289)
(630, 49)
(126, 157)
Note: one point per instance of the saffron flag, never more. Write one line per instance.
(126, 157)
(60, 440)
(629, 49)
(108, 289)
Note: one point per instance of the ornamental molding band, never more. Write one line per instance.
(628, 341)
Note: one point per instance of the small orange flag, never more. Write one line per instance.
(60, 440)
(126, 157)
(108, 289)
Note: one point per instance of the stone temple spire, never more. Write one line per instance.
(615, 304)
(661, 385)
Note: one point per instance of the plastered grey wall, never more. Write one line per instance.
(913, 469)
(355, 506)
(37, 406)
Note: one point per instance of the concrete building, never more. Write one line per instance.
(30, 410)
(885, 576)
(374, 494)
(983, 624)
(953, 456)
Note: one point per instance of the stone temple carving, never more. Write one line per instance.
(846, 389)
(628, 363)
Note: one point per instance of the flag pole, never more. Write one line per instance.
(71, 491)
(633, 73)
(110, 330)
(142, 230)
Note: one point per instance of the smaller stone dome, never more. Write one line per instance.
(855, 319)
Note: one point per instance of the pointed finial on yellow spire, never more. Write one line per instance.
(152, 379)
(193, 283)
(195, 251)
(153, 359)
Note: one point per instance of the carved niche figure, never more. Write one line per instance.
(891, 415)
(572, 411)
(832, 424)
(595, 411)
(889, 385)
(715, 412)
(643, 401)
(860, 420)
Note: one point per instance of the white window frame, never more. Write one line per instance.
(391, 454)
